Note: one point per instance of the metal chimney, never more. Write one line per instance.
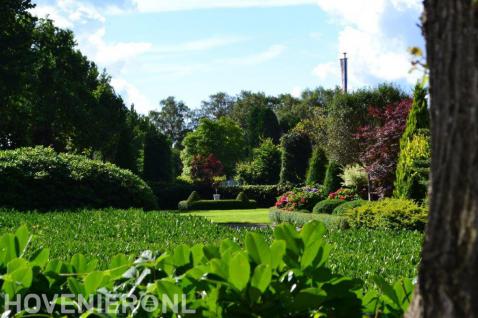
(344, 67)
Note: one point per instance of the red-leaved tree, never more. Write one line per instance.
(204, 169)
(381, 143)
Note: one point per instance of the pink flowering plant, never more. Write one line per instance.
(344, 194)
(300, 199)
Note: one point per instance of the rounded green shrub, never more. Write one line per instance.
(327, 206)
(394, 214)
(194, 196)
(317, 167)
(344, 208)
(41, 179)
(242, 197)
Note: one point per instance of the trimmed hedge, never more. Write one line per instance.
(41, 179)
(394, 214)
(327, 206)
(278, 216)
(265, 195)
(344, 208)
(216, 205)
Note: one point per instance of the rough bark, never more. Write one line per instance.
(448, 275)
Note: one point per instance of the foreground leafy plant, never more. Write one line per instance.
(285, 279)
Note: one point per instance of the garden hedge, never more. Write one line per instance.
(393, 214)
(327, 206)
(279, 216)
(41, 179)
(169, 195)
(228, 204)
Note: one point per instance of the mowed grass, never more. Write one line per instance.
(102, 234)
(234, 216)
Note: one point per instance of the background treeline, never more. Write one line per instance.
(51, 95)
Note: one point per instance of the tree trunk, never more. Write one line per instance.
(448, 275)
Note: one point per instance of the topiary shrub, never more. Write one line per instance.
(296, 149)
(332, 180)
(242, 197)
(327, 206)
(194, 196)
(317, 167)
(343, 209)
(41, 179)
(389, 214)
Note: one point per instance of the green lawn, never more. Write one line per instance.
(234, 216)
(102, 234)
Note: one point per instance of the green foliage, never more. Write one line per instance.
(242, 197)
(389, 214)
(297, 218)
(172, 119)
(264, 167)
(347, 112)
(296, 150)
(222, 137)
(332, 177)
(411, 181)
(355, 177)
(227, 204)
(317, 167)
(40, 178)
(413, 169)
(327, 206)
(235, 281)
(418, 118)
(157, 162)
(344, 208)
(262, 123)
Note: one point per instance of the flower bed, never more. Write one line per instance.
(300, 199)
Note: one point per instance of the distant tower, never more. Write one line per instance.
(344, 67)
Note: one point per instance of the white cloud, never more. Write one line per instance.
(110, 53)
(270, 53)
(132, 95)
(199, 45)
(328, 73)
(372, 53)
(53, 13)
(67, 13)
(180, 5)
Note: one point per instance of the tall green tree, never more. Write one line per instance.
(262, 123)
(157, 165)
(172, 119)
(218, 105)
(222, 137)
(16, 56)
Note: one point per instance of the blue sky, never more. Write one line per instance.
(194, 48)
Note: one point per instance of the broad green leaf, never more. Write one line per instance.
(22, 237)
(76, 287)
(8, 244)
(18, 277)
(257, 248)
(228, 245)
(262, 277)
(165, 287)
(311, 252)
(197, 252)
(81, 265)
(277, 253)
(309, 298)
(40, 257)
(181, 255)
(239, 271)
(386, 289)
(93, 281)
(287, 233)
(312, 231)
